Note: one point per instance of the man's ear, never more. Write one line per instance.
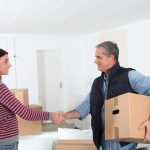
(112, 57)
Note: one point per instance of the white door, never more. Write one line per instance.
(50, 75)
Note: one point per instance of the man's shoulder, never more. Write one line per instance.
(98, 78)
(126, 69)
(97, 81)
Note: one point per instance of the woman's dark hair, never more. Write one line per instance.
(3, 52)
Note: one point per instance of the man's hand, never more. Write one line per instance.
(58, 118)
(146, 125)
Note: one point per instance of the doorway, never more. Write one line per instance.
(50, 79)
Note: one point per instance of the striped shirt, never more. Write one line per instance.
(9, 107)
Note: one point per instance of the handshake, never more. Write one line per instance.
(59, 117)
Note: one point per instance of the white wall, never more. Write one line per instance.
(85, 70)
(88, 43)
(139, 47)
(79, 55)
(26, 47)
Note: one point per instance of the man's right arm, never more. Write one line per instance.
(81, 111)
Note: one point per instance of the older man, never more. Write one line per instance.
(114, 80)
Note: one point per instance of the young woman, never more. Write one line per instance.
(10, 106)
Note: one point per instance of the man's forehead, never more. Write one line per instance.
(100, 50)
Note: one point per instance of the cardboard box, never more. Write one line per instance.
(21, 95)
(124, 114)
(75, 145)
(30, 127)
(38, 107)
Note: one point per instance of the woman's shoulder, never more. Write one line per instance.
(2, 83)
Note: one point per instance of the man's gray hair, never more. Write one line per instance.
(111, 48)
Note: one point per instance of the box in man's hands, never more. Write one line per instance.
(124, 114)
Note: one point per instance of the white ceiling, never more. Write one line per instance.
(69, 16)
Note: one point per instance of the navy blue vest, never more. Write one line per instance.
(118, 84)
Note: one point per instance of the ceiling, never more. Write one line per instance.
(69, 16)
